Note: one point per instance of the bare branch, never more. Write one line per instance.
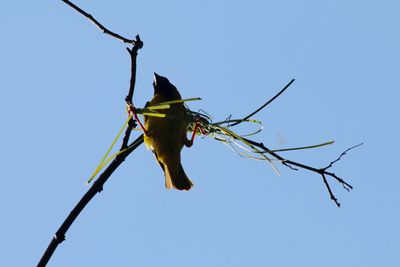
(98, 24)
(126, 150)
(330, 191)
(290, 167)
(97, 187)
(322, 171)
(133, 53)
(341, 155)
(128, 99)
(263, 106)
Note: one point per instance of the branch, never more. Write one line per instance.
(133, 52)
(128, 99)
(341, 155)
(263, 106)
(99, 25)
(322, 171)
(97, 186)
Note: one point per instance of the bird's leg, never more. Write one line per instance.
(132, 111)
(197, 126)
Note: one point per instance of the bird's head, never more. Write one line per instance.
(163, 86)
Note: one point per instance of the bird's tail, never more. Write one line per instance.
(177, 179)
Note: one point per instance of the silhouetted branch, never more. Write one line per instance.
(263, 106)
(322, 171)
(125, 149)
(128, 99)
(97, 187)
(133, 52)
(341, 155)
(98, 24)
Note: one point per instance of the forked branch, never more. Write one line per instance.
(322, 171)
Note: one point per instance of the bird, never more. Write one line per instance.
(166, 136)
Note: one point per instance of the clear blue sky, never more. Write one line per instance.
(61, 103)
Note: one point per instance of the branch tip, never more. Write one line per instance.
(341, 155)
(98, 24)
(322, 171)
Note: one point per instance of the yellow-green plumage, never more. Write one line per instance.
(166, 136)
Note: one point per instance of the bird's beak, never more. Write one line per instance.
(156, 78)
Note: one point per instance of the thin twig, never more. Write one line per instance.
(98, 24)
(263, 106)
(330, 191)
(341, 155)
